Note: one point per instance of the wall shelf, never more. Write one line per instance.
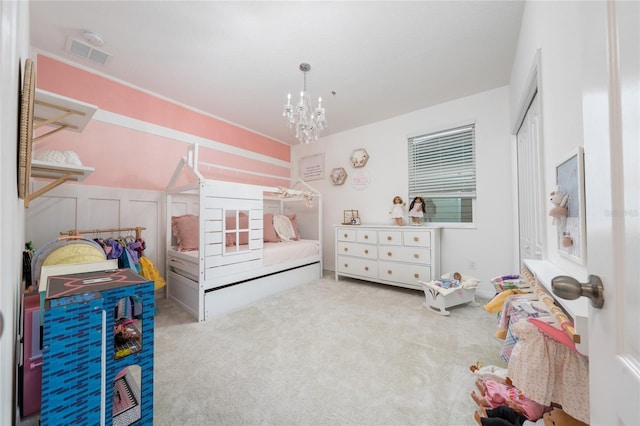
(53, 112)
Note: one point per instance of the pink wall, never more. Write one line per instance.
(127, 158)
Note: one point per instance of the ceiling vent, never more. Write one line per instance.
(85, 50)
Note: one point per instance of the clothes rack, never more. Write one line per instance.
(77, 232)
(561, 318)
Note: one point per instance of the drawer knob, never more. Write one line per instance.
(346, 249)
(346, 265)
(417, 256)
(366, 252)
(389, 238)
(366, 237)
(366, 268)
(346, 235)
(389, 253)
(390, 272)
(416, 275)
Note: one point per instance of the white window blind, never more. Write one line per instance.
(442, 164)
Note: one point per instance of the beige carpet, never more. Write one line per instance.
(326, 353)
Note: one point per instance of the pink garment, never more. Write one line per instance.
(547, 371)
(500, 394)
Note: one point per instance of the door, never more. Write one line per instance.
(611, 101)
(530, 207)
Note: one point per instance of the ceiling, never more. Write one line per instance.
(237, 60)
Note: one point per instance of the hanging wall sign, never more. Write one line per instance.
(360, 179)
(312, 167)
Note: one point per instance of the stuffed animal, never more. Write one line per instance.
(559, 209)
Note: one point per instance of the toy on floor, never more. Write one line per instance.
(495, 394)
(490, 372)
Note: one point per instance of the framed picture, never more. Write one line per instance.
(571, 232)
(359, 158)
(351, 217)
(312, 167)
(338, 176)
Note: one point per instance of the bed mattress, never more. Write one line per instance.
(186, 262)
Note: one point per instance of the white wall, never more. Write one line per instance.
(554, 30)
(490, 244)
(86, 207)
(14, 49)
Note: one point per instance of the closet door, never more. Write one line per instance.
(530, 200)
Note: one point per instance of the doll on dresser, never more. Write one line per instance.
(397, 210)
(416, 210)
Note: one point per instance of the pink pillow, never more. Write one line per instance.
(185, 229)
(294, 223)
(270, 235)
(230, 238)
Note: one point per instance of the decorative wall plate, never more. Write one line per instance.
(338, 176)
(359, 158)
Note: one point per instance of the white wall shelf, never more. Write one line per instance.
(53, 113)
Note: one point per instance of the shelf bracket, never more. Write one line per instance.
(59, 181)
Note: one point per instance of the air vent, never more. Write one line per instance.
(85, 50)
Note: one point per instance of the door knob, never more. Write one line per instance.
(569, 288)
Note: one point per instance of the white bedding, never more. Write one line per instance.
(273, 254)
(287, 251)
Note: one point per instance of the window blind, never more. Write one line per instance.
(442, 164)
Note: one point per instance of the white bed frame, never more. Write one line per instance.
(220, 280)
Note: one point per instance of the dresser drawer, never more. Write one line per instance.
(417, 238)
(358, 266)
(405, 254)
(359, 250)
(367, 236)
(403, 273)
(343, 234)
(390, 237)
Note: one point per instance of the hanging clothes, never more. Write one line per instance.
(150, 272)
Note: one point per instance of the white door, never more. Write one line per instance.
(611, 101)
(530, 218)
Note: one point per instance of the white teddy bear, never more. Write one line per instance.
(559, 209)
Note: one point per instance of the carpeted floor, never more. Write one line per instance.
(326, 353)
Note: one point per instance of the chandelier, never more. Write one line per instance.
(308, 123)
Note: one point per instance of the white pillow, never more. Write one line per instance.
(283, 227)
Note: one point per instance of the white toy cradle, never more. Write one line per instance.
(438, 299)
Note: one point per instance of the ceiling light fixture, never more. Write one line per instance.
(307, 122)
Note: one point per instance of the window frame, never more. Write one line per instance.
(434, 133)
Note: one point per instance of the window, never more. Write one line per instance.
(442, 170)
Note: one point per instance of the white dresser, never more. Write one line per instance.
(395, 255)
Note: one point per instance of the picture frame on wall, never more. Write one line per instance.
(359, 158)
(571, 231)
(338, 176)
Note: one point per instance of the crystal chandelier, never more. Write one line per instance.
(307, 122)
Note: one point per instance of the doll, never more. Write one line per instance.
(416, 210)
(397, 213)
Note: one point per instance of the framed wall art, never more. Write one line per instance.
(312, 167)
(338, 176)
(359, 158)
(571, 232)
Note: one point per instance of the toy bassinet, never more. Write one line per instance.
(438, 298)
